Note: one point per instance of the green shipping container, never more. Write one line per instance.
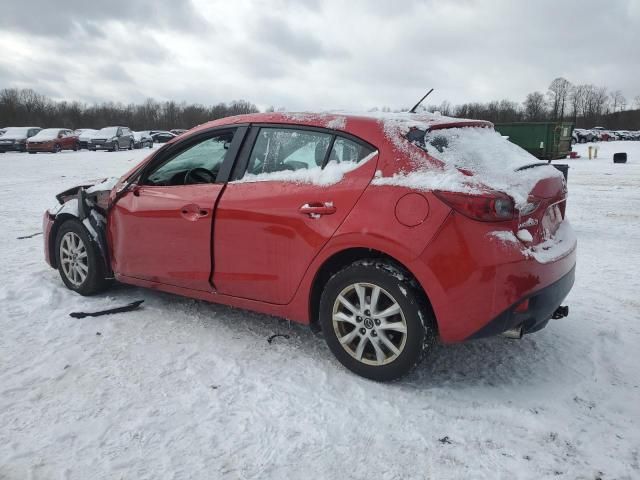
(544, 140)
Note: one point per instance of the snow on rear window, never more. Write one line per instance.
(487, 159)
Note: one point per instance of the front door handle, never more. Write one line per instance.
(193, 212)
(317, 209)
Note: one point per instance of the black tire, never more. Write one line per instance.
(57, 148)
(573, 141)
(420, 323)
(33, 153)
(95, 280)
(583, 140)
(116, 147)
(130, 145)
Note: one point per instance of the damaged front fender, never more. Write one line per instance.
(89, 205)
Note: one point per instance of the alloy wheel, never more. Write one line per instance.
(74, 259)
(369, 324)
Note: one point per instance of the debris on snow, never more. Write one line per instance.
(275, 335)
(127, 308)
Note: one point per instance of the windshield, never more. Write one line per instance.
(17, 131)
(47, 133)
(108, 131)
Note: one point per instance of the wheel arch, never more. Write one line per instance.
(338, 260)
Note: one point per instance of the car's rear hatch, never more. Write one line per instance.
(487, 162)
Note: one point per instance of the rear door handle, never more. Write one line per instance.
(316, 209)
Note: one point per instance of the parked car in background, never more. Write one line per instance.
(2, 130)
(582, 135)
(53, 140)
(178, 131)
(15, 138)
(142, 139)
(84, 134)
(333, 221)
(112, 139)
(161, 136)
(603, 134)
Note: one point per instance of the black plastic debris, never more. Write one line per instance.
(30, 236)
(270, 339)
(126, 308)
(620, 157)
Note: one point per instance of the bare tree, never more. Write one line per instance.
(535, 108)
(617, 100)
(558, 95)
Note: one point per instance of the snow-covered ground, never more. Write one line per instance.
(184, 389)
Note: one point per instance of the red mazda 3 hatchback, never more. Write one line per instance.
(387, 232)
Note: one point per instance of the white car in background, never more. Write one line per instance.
(142, 139)
(84, 135)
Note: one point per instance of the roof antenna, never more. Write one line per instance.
(413, 110)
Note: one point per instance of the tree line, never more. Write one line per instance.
(26, 107)
(585, 105)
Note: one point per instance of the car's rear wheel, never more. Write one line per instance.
(375, 320)
(78, 260)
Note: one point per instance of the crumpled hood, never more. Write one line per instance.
(94, 187)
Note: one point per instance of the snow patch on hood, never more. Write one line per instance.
(105, 185)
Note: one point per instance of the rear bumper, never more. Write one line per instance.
(474, 280)
(542, 304)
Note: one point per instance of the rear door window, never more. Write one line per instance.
(286, 149)
(345, 150)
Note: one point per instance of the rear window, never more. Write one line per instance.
(475, 149)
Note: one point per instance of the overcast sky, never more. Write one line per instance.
(344, 54)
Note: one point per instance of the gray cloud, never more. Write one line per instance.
(317, 54)
(64, 18)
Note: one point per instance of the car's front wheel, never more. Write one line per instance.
(375, 320)
(78, 260)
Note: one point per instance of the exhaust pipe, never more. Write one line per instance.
(514, 333)
(560, 312)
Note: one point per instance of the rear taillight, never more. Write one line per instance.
(489, 207)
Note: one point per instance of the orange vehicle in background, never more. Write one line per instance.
(53, 140)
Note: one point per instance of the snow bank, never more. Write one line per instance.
(331, 174)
